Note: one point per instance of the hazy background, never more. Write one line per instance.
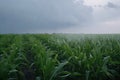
(59, 16)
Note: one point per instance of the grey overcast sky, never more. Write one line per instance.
(59, 16)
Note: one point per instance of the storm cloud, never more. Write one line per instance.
(17, 16)
(55, 16)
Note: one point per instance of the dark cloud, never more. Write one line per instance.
(17, 16)
(112, 5)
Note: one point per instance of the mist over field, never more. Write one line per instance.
(63, 16)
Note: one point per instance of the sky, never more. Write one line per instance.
(60, 16)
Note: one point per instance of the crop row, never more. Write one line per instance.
(59, 57)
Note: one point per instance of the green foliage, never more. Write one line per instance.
(59, 57)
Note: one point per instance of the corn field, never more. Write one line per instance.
(59, 57)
